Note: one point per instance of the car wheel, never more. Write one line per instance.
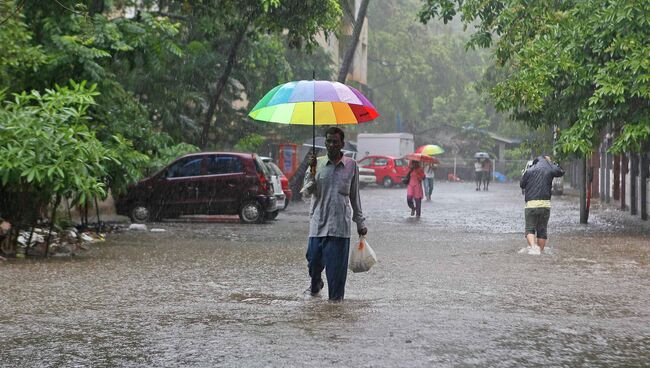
(272, 215)
(140, 213)
(251, 212)
(388, 182)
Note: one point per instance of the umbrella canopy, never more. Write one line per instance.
(425, 159)
(481, 155)
(314, 102)
(430, 149)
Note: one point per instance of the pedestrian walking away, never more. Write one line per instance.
(430, 172)
(536, 183)
(334, 189)
(486, 168)
(414, 191)
(478, 173)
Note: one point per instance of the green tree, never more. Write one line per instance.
(182, 94)
(425, 77)
(301, 20)
(48, 152)
(579, 64)
(18, 56)
(75, 45)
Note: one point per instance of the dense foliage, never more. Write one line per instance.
(47, 151)
(580, 65)
(424, 79)
(154, 68)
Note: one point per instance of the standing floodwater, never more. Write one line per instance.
(450, 289)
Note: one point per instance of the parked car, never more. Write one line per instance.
(366, 176)
(203, 183)
(388, 170)
(282, 192)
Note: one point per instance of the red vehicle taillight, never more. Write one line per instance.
(264, 184)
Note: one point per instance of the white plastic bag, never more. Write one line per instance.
(362, 257)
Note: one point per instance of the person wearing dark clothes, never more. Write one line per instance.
(536, 183)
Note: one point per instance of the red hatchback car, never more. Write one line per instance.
(219, 183)
(388, 170)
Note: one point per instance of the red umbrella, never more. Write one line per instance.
(425, 159)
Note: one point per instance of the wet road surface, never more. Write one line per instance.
(450, 290)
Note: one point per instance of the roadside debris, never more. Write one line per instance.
(141, 227)
(65, 243)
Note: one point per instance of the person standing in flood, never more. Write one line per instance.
(334, 190)
(414, 191)
(537, 183)
(478, 173)
(430, 172)
(486, 168)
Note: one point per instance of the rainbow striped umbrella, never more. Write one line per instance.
(314, 102)
(430, 149)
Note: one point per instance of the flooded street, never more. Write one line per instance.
(449, 290)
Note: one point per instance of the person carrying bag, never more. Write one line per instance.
(362, 257)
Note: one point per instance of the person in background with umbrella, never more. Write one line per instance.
(478, 173)
(429, 167)
(414, 187)
(430, 172)
(333, 183)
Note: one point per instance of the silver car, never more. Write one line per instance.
(366, 176)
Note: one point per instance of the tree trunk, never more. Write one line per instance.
(57, 201)
(96, 7)
(352, 46)
(616, 185)
(221, 83)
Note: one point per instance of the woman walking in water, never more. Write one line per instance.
(414, 191)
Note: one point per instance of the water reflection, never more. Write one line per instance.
(449, 290)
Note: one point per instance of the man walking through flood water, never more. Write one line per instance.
(537, 183)
(334, 189)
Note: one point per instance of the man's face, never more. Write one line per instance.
(334, 144)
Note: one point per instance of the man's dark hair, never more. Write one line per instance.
(335, 130)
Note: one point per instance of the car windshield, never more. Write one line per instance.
(400, 162)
